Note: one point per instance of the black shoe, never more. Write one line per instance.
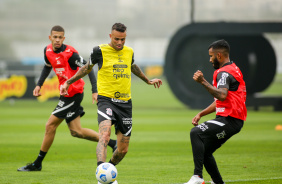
(115, 147)
(30, 167)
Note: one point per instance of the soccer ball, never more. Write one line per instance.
(106, 173)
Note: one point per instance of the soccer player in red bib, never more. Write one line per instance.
(65, 61)
(229, 92)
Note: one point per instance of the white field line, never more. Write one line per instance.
(253, 179)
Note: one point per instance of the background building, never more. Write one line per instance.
(25, 25)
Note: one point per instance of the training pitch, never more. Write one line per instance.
(159, 151)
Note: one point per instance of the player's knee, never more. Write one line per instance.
(194, 131)
(104, 137)
(123, 151)
(50, 128)
(75, 133)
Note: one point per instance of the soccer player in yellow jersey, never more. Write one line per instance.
(115, 62)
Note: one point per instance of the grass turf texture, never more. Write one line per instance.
(159, 152)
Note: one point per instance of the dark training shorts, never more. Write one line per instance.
(118, 111)
(69, 108)
(216, 132)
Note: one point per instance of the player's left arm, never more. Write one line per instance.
(136, 70)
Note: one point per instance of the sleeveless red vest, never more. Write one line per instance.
(234, 104)
(61, 67)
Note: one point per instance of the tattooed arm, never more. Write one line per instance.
(220, 93)
(84, 70)
(138, 72)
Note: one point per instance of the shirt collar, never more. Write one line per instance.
(229, 63)
(61, 49)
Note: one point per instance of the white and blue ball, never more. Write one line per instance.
(106, 173)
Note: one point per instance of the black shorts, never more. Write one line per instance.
(118, 111)
(216, 132)
(69, 108)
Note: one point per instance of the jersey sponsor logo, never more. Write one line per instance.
(221, 135)
(220, 109)
(121, 95)
(119, 101)
(121, 75)
(119, 68)
(203, 127)
(70, 114)
(109, 111)
(222, 80)
(59, 71)
(127, 121)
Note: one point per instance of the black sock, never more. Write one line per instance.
(99, 163)
(112, 163)
(112, 143)
(38, 161)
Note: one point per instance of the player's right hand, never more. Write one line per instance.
(196, 119)
(198, 76)
(36, 91)
(64, 89)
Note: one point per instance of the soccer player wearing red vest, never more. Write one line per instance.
(65, 61)
(229, 92)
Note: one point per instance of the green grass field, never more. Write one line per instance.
(160, 150)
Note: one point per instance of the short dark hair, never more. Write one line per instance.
(119, 27)
(220, 45)
(57, 28)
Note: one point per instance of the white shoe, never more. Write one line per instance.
(195, 179)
